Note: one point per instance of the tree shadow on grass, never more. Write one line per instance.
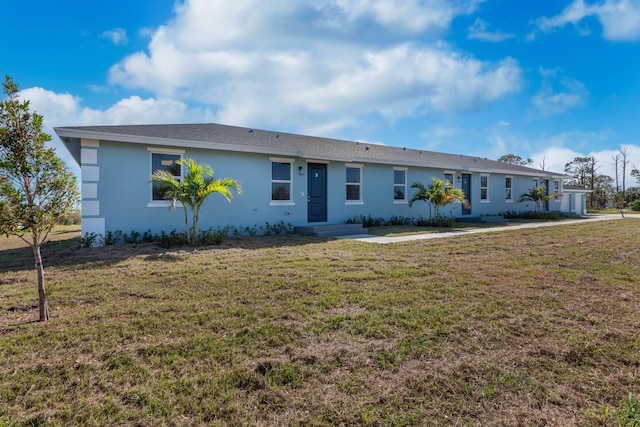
(68, 253)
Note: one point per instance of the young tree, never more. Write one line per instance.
(538, 195)
(36, 189)
(198, 183)
(439, 194)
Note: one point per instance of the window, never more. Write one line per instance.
(399, 185)
(354, 183)
(281, 181)
(508, 185)
(557, 189)
(164, 160)
(484, 188)
(448, 176)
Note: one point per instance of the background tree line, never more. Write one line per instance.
(606, 191)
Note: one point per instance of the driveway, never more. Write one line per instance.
(370, 238)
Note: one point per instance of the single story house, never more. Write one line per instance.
(296, 179)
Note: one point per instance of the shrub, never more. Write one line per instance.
(90, 240)
(531, 215)
(280, 228)
(173, 238)
(635, 205)
(439, 221)
(72, 218)
(212, 236)
(366, 221)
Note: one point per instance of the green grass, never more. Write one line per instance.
(525, 327)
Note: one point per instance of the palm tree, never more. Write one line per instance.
(440, 193)
(198, 183)
(538, 195)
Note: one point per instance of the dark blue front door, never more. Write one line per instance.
(317, 192)
(466, 187)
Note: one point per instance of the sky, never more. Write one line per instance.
(548, 80)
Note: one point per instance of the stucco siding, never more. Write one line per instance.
(124, 191)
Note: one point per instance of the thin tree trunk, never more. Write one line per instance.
(186, 223)
(196, 233)
(42, 295)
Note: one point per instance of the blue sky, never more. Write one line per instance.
(545, 79)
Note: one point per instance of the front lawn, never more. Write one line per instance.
(523, 327)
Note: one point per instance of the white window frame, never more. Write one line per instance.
(289, 181)
(556, 184)
(509, 195)
(453, 177)
(161, 150)
(354, 166)
(486, 188)
(403, 185)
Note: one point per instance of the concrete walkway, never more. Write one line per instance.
(371, 238)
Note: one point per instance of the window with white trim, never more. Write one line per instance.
(354, 183)
(281, 181)
(556, 184)
(448, 176)
(399, 185)
(484, 188)
(508, 186)
(164, 160)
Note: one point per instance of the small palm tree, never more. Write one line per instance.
(538, 195)
(198, 183)
(440, 193)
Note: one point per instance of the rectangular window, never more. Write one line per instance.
(399, 185)
(164, 161)
(508, 185)
(557, 189)
(484, 188)
(449, 178)
(281, 177)
(354, 183)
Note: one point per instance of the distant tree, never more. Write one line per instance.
(604, 193)
(514, 159)
(198, 184)
(437, 195)
(635, 172)
(624, 161)
(543, 164)
(36, 190)
(632, 194)
(538, 195)
(584, 173)
(616, 164)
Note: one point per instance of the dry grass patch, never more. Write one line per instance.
(528, 327)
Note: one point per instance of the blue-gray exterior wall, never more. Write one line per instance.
(124, 191)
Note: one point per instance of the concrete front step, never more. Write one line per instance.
(330, 230)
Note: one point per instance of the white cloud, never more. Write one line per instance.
(480, 31)
(548, 101)
(63, 109)
(555, 158)
(67, 110)
(118, 36)
(620, 19)
(329, 64)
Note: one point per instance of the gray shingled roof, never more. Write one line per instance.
(232, 138)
